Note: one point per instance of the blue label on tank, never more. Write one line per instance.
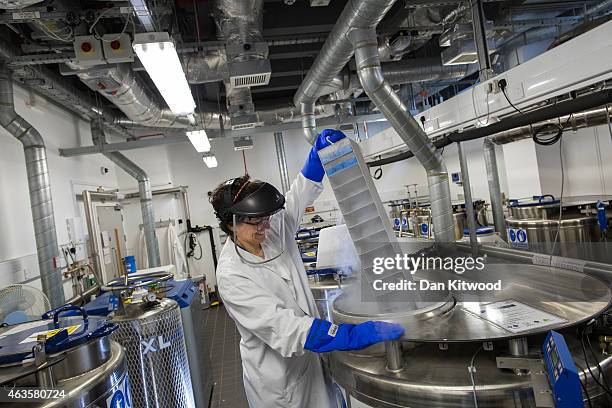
(118, 400)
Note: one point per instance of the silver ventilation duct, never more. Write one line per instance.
(239, 21)
(240, 107)
(379, 90)
(495, 194)
(394, 48)
(240, 25)
(40, 190)
(421, 70)
(209, 120)
(120, 85)
(144, 189)
(55, 87)
(204, 67)
(335, 54)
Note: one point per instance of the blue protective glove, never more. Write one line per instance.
(313, 169)
(325, 336)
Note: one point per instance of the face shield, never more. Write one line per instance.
(258, 225)
(265, 232)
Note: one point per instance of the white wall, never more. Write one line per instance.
(525, 169)
(68, 176)
(588, 169)
(155, 162)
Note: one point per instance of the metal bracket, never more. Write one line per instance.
(539, 380)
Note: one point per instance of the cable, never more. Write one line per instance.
(378, 173)
(485, 123)
(583, 385)
(552, 252)
(548, 140)
(127, 21)
(586, 360)
(246, 172)
(472, 370)
(55, 35)
(602, 374)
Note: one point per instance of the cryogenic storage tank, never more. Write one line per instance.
(429, 366)
(325, 286)
(75, 357)
(534, 224)
(484, 235)
(151, 331)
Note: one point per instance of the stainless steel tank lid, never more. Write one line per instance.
(16, 342)
(144, 310)
(552, 222)
(577, 298)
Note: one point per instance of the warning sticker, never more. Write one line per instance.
(517, 237)
(49, 333)
(516, 317)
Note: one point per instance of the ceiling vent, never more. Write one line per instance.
(244, 121)
(244, 74)
(463, 52)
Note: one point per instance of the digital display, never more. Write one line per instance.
(555, 358)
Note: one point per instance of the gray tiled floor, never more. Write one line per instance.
(225, 356)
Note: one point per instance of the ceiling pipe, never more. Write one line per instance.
(240, 25)
(144, 189)
(495, 193)
(334, 55)
(379, 90)
(422, 70)
(55, 87)
(40, 190)
(120, 85)
(205, 66)
(239, 21)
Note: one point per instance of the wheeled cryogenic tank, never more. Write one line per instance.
(74, 364)
(484, 235)
(151, 332)
(533, 225)
(499, 336)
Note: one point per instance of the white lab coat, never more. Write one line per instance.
(273, 309)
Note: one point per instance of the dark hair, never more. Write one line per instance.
(241, 187)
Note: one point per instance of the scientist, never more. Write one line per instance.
(264, 287)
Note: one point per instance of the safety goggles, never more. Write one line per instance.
(274, 244)
(259, 222)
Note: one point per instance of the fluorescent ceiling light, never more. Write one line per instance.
(199, 140)
(210, 160)
(157, 54)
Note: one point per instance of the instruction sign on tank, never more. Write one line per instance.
(517, 237)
